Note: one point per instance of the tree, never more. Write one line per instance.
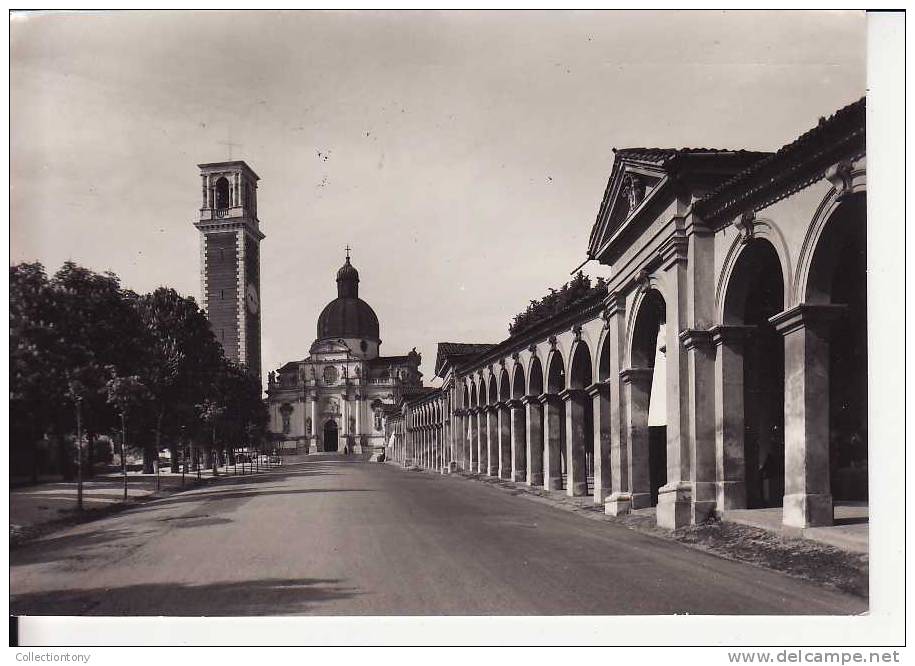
(35, 396)
(180, 362)
(210, 412)
(124, 393)
(99, 328)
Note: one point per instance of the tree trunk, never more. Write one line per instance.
(34, 461)
(64, 462)
(177, 455)
(90, 454)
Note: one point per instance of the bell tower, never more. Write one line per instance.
(230, 239)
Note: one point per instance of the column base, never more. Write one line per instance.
(802, 510)
(704, 500)
(618, 504)
(674, 508)
(577, 489)
(640, 500)
(732, 495)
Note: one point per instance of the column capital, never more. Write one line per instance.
(630, 375)
(473, 411)
(530, 400)
(695, 338)
(514, 403)
(549, 399)
(805, 315)
(488, 409)
(569, 394)
(599, 388)
(460, 411)
(502, 404)
(732, 334)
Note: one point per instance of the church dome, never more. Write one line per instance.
(348, 316)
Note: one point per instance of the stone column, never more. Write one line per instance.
(600, 399)
(808, 498)
(637, 388)
(473, 452)
(675, 497)
(360, 421)
(459, 432)
(492, 441)
(552, 463)
(576, 471)
(700, 358)
(620, 500)
(534, 440)
(442, 449)
(730, 460)
(519, 440)
(505, 440)
(482, 442)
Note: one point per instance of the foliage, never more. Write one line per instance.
(572, 293)
(81, 335)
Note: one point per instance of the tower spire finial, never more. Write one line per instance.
(347, 251)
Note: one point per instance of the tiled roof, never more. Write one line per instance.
(291, 365)
(454, 351)
(791, 168)
(661, 155)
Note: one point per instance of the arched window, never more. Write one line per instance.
(222, 194)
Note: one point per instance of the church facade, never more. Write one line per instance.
(335, 398)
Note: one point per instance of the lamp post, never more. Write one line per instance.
(124, 451)
(79, 453)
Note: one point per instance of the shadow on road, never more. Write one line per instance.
(79, 547)
(270, 596)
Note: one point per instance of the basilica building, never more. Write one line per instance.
(334, 399)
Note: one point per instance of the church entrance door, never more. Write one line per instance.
(330, 435)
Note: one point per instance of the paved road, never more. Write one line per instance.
(335, 536)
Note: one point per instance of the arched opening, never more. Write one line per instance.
(603, 363)
(222, 193)
(536, 379)
(583, 417)
(473, 452)
(492, 424)
(537, 429)
(756, 293)
(838, 275)
(649, 392)
(330, 435)
(556, 441)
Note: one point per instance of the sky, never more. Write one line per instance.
(462, 155)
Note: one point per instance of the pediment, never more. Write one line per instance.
(630, 186)
(323, 347)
